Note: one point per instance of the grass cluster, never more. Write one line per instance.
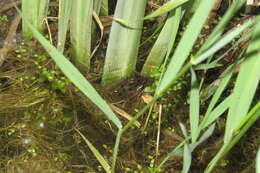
(121, 57)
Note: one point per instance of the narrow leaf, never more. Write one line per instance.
(64, 15)
(124, 41)
(96, 153)
(194, 107)
(76, 77)
(203, 138)
(80, 31)
(186, 158)
(185, 46)
(170, 5)
(246, 84)
(254, 115)
(223, 41)
(220, 89)
(163, 43)
(219, 29)
(216, 113)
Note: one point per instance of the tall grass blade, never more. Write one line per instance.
(64, 16)
(219, 29)
(194, 107)
(162, 44)
(254, 115)
(80, 30)
(186, 158)
(76, 77)
(116, 148)
(190, 8)
(186, 151)
(43, 7)
(96, 153)
(246, 84)
(223, 41)
(185, 46)
(170, 5)
(124, 41)
(33, 11)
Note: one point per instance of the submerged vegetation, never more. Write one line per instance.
(172, 86)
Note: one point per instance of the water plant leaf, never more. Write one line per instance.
(35, 12)
(254, 115)
(76, 77)
(220, 89)
(64, 16)
(124, 41)
(170, 5)
(80, 32)
(216, 112)
(185, 45)
(194, 107)
(219, 29)
(186, 158)
(96, 153)
(204, 137)
(245, 86)
(163, 44)
(223, 41)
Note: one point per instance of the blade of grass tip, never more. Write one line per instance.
(185, 46)
(63, 23)
(160, 48)
(226, 39)
(124, 41)
(80, 31)
(76, 77)
(254, 114)
(96, 153)
(170, 5)
(194, 107)
(245, 86)
(208, 66)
